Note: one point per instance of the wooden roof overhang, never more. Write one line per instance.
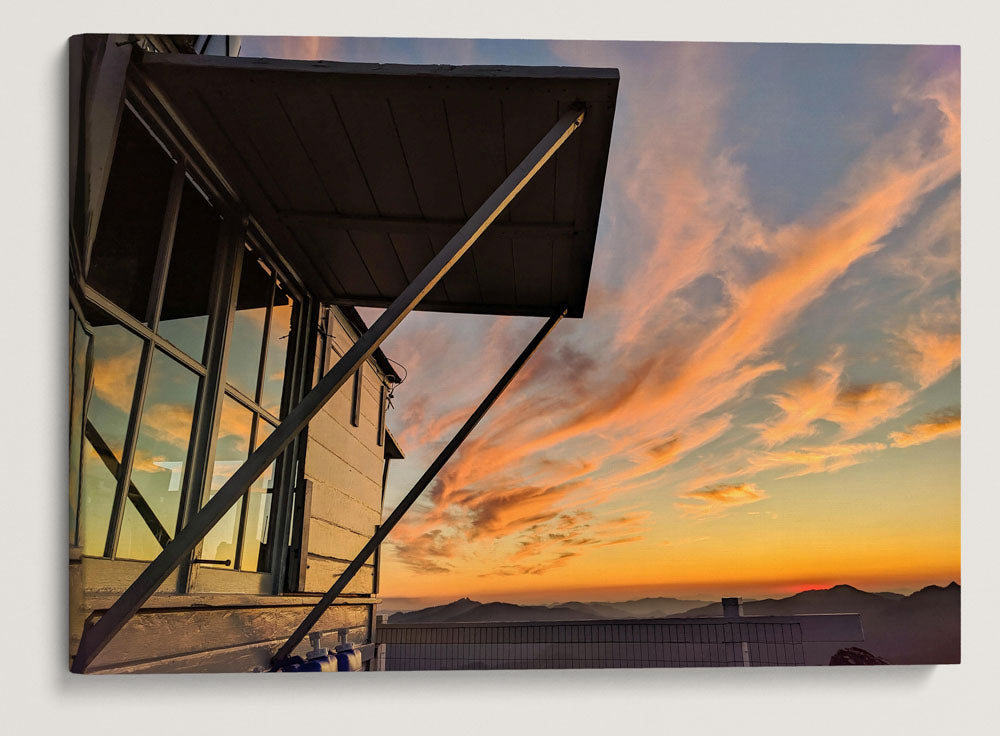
(360, 173)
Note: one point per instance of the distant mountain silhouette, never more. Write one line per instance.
(466, 610)
(921, 628)
(448, 612)
(641, 608)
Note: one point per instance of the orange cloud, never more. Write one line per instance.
(816, 459)
(799, 461)
(944, 423)
(720, 498)
(825, 394)
(498, 513)
(427, 553)
(931, 354)
(551, 542)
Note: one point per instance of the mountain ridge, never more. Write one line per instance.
(468, 610)
(923, 627)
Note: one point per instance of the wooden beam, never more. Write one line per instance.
(361, 223)
(510, 310)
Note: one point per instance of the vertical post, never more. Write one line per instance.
(286, 504)
(97, 637)
(300, 541)
(733, 608)
(225, 284)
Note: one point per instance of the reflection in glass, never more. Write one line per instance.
(116, 365)
(79, 340)
(255, 551)
(248, 326)
(128, 234)
(184, 317)
(278, 337)
(231, 449)
(160, 454)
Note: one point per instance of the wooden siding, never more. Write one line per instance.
(219, 640)
(344, 465)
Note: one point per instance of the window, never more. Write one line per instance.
(184, 317)
(156, 268)
(263, 324)
(127, 242)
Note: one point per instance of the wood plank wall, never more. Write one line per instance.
(345, 466)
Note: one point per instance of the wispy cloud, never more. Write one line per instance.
(720, 498)
(429, 552)
(944, 423)
(930, 352)
(826, 393)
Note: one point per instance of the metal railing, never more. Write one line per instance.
(746, 641)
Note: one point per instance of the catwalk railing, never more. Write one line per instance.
(746, 641)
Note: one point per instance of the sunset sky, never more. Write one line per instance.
(763, 395)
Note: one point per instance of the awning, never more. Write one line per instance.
(360, 173)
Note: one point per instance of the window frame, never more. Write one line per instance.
(237, 233)
(254, 404)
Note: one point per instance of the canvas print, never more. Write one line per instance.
(425, 354)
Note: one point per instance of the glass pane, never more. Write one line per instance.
(231, 449)
(278, 337)
(256, 554)
(248, 326)
(116, 365)
(79, 340)
(128, 234)
(158, 468)
(184, 318)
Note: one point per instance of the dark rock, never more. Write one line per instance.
(855, 656)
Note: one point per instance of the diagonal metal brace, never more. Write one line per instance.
(387, 526)
(96, 637)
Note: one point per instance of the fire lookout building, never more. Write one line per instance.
(228, 439)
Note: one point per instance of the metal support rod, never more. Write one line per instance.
(387, 526)
(95, 638)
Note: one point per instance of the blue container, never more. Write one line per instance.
(348, 658)
(320, 664)
(326, 663)
(318, 659)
